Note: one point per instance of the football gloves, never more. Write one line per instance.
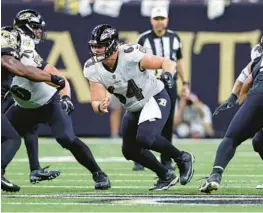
(167, 79)
(66, 104)
(229, 103)
(59, 81)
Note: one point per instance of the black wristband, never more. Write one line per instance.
(233, 97)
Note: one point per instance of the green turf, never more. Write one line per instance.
(73, 190)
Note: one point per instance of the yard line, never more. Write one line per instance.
(65, 204)
(112, 195)
(137, 174)
(61, 180)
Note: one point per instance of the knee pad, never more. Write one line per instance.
(66, 140)
(145, 140)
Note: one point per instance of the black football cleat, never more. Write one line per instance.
(169, 180)
(102, 181)
(7, 186)
(185, 166)
(212, 183)
(137, 167)
(43, 174)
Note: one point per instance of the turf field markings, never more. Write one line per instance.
(113, 195)
(226, 186)
(132, 174)
(148, 199)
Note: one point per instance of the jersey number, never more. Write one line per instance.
(132, 90)
(21, 93)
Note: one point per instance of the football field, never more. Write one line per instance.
(73, 190)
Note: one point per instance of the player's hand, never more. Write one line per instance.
(103, 106)
(66, 104)
(229, 103)
(167, 79)
(59, 81)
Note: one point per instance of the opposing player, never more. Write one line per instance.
(10, 140)
(121, 70)
(31, 141)
(247, 121)
(257, 141)
(39, 103)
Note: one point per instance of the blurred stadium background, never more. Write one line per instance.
(217, 36)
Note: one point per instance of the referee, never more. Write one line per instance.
(166, 43)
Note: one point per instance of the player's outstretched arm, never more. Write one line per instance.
(100, 98)
(245, 88)
(241, 79)
(230, 102)
(66, 91)
(156, 62)
(17, 68)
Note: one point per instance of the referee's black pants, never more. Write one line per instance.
(168, 127)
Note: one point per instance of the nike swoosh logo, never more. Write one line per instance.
(8, 184)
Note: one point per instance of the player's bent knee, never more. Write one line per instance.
(127, 153)
(145, 140)
(235, 142)
(66, 140)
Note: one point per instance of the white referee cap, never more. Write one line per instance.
(159, 12)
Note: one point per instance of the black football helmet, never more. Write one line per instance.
(28, 21)
(104, 36)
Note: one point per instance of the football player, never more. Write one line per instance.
(10, 140)
(31, 141)
(40, 103)
(121, 71)
(257, 141)
(247, 121)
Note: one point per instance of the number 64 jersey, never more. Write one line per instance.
(131, 85)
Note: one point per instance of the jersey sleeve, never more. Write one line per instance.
(256, 52)
(9, 44)
(89, 72)
(134, 52)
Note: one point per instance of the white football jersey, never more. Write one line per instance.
(131, 85)
(256, 52)
(37, 93)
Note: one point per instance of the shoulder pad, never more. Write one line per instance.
(131, 48)
(8, 40)
(9, 44)
(26, 43)
(91, 61)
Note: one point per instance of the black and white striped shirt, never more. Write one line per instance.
(169, 45)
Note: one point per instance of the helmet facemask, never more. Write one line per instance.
(38, 31)
(32, 24)
(103, 43)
